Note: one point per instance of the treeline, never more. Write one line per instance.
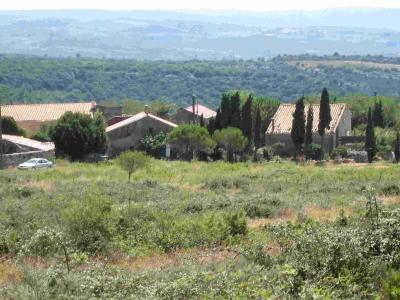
(41, 79)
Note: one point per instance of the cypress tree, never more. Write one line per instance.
(324, 118)
(298, 126)
(379, 115)
(211, 126)
(397, 148)
(246, 121)
(217, 124)
(309, 127)
(235, 110)
(257, 129)
(370, 145)
(201, 122)
(226, 111)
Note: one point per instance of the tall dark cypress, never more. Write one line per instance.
(211, 126)
(201, 122)
(310, 119)
(235, 110)
(246, 120)
(324, 118)
(218, 122)
(298, 126)
(397, 148)
(257, 129)
(379, 115)
(370, 144)
(226, 111)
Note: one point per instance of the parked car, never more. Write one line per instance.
(36, 163)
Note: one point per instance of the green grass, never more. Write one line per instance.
(92, 210)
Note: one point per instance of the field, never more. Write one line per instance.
(182, 230)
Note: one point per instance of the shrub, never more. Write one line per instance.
(41, 136)
(339, 151)
(9, 126)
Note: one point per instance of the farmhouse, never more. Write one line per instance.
(281, 125)
(126, 134)
(186, 116)
(33, 117)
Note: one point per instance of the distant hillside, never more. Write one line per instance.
(34, 79)
(210, 35)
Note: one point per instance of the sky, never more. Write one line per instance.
(250, 5)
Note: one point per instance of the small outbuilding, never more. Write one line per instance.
(280, 126)
(192, 114)
(127, 134)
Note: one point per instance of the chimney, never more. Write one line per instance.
(146, 109)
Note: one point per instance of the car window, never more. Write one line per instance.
(32, 161)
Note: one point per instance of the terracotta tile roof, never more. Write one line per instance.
(136, 118)
(44, 112)
(284, 116)
(22, 141)
(202, 110)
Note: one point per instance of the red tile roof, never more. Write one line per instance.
(44, 112)
(22, 141)
(202, 110)
(136, 118)
(284, 116)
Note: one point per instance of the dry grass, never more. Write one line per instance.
(284, 215)
(157, 261)
(390, 200)
(9, 273)
(45, 185)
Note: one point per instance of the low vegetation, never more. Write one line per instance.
(183, 230)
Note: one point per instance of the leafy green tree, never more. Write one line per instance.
(226, 110)
(309, 127)
(235, 110)
(247, 121)
(324, 118)
(131, 161)
(193, 139)
(257, 129)
(370, 143)
(379, 115)
(9, 126)
(77, 135)
(298, 126)
(161, 108)
(232, 140)
(397, 147)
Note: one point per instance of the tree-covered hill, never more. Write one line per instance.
(40, 79)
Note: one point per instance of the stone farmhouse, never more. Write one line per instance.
(34, 117)
(126, 134)
(186, 116)
(281, 125)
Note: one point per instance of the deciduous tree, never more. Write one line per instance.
(130, 161)
(232, 140)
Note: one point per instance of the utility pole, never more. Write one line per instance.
(194, 109)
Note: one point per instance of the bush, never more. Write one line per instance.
(41, 136)
(131, 161)
(340, 151)
(314, 152)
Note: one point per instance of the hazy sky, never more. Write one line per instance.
(255, 5)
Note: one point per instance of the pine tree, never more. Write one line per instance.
(226, 111)
(246, 120)
(397, 148)
(201, 122)
(235, 110)
(257, 129)
(324, 118)
(370, 144)
(298, 126)
(310, 119)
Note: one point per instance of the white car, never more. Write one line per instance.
(36, 163)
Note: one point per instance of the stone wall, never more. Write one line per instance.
(13, 160)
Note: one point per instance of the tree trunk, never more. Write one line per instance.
(322, 147)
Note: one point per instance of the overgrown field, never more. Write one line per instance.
(200, 230)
